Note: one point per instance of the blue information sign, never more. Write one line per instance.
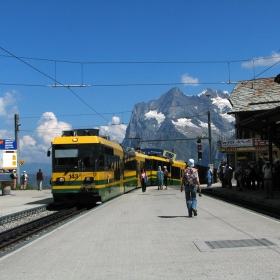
(8, 144)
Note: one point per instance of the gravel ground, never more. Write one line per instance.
(13, 224)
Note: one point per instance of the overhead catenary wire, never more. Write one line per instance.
(141, 62)
(135, 62)
(55, 80)
(125, 62)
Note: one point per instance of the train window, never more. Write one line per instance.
(66, 153)
(149, 164)
(101, 160)
(130, 165)
(88, 158)
(176, 172)
(66, 156)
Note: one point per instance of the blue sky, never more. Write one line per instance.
(126, 52)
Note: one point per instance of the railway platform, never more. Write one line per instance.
(19, 200)
(149, 236)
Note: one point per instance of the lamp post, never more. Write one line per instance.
(17, 126)
(209, 132)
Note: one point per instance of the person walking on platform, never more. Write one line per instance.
(224, 179)
(159, 178)
(143, 179)
(228, 176)
(268, 180)
(24, 179)
(239, 176)
(209, 177)
(190, 181)
(165, 176)
(14, 177)
(39, 178)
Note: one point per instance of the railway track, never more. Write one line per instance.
(24, 231)
(256, 206)
(22, 214)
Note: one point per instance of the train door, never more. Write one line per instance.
(88, 164)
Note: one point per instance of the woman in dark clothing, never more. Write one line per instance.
(143, 179)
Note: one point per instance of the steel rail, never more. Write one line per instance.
(13, 235)
(22, 214)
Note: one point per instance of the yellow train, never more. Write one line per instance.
(90, 169)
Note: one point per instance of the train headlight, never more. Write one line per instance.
(60, 179)
(89, 179)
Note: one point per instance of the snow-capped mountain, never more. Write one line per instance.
(175, 116)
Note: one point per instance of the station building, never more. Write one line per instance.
(256, 106)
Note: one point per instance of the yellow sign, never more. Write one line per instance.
(21, 162)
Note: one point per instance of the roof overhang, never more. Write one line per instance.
(256, 121)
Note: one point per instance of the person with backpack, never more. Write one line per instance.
(39, 178)
(190, 181)
(24, 179)
(14, 177)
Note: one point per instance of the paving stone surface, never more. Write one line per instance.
(149, 236)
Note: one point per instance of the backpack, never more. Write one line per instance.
(189, 178)
(23, 177)
(12, 176)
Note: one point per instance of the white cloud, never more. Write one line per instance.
(49, 127)
(115, 129)
(189, 81)
(33, 148)
(155, 115)
(262, 61)
(8, 107)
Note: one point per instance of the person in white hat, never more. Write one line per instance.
(24, 179)
(190, 181)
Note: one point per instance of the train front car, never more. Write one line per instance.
(86, 168)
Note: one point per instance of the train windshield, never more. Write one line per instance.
(66, 156)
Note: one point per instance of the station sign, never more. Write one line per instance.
(8, 144)
(169, 155)
(237, 143)
(8, 154)
(259, 143)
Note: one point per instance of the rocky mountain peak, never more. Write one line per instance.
(176, 115)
